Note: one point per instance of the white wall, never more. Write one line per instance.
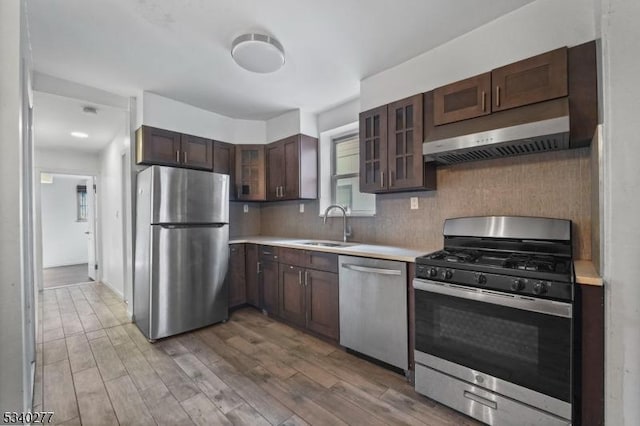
(339, 116)
(621, 151)
(63, 162)
(535, 28)
(16, 332)
(64, 241)
(111, 210)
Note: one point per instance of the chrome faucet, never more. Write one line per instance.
(346, 230)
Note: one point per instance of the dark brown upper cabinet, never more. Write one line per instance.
(391, 148)
(250, 173)
(292, 168)
(167, 148)
(531, 80)
(224, 161)
(158, 146)
(197, 153)
(463, 99)
(373, 150)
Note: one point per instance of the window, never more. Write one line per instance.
(345, 178)
(81, 191)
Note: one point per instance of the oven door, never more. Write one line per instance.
(516, 346)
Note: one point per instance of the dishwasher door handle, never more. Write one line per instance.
(371, 270)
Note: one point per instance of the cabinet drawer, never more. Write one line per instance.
(321, 261)
(291, 256)
(268, 253)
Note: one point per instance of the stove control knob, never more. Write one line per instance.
(446, 275)
(517, 285)
(540, 287)
(481, 279)
(433, 272)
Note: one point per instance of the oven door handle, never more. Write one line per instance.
(542, 306)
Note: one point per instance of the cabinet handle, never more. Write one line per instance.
(300, 277)
(381, 179)
(484, 101)
(177, 156)
(306, 278)
(391, 178)
(281, 191)
(184, 154)
(497, 95)
(258, 268)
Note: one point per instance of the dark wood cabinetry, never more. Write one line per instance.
(269, 286)
(250, 173)
(197, 153)
(373, 149)
(391, 148)
(158, 146)
(252, 275)
(463, 99)
(531, 80)
(322, 303)
(292, 294)
(224, 161)
(292, 168)
(237, 275)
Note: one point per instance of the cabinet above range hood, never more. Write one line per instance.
(544, 103)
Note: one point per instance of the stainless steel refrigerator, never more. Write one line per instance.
(182, 250)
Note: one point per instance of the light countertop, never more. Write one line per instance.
(585, 271)
(352, 248)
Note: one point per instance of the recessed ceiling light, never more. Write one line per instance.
(80, 135)
(258, 53)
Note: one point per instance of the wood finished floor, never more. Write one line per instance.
(95, 368)
(65, 275)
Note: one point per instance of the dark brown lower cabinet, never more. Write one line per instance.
(269, 286)
(322, 303)
(237, 275)
(591, 354)
(251, 275)
(292, 294)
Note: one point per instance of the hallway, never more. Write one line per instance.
(95, 367)
(65, 275)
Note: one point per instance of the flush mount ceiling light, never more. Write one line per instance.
(80, 135)
(258, 53)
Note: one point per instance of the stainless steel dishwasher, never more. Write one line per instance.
(373, 308)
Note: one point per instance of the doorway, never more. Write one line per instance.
(68, 220)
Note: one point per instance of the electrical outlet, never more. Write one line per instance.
(414, 203)
(301, 207)
(245, 208)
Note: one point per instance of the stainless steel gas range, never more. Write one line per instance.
(494, 320)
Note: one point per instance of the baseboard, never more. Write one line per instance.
(65, 264)
(112, 288)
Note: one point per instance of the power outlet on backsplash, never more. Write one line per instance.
(245, 208)
(301, 207)
(414, 203)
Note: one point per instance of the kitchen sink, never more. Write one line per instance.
(324, 244)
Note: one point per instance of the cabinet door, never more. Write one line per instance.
(250, 172)
(291, 168)
(237, 275)
(275, 170)
(532, 80)
(197, 153)
(405, 144)
(157, 146)
(269, 286)
(463, 99)
(224, 159)
(322, 302)
(292, 294)
(252, 275)
(373, 150)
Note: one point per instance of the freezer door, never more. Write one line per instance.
(188, 268)
(188, 196)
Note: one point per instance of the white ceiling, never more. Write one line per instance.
(180, 48)
(55, 117)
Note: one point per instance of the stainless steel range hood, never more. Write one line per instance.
(528, 138)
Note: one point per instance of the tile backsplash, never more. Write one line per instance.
(553, 184)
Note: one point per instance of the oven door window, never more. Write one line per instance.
(526, 348)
